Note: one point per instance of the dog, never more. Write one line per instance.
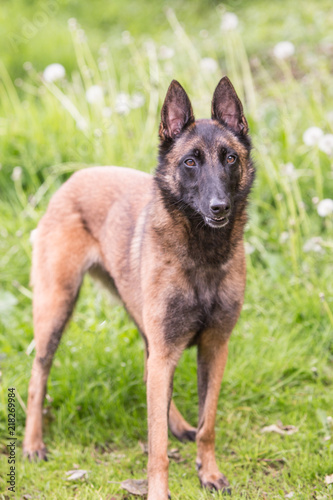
(171, 247)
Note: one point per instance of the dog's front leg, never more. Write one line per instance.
(212, 358)
(160, 370)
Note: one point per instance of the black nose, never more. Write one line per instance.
(219, 208)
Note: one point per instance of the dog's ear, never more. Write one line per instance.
(227, 108)
(176, 112)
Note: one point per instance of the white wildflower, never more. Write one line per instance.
(166, 52)
(54, 72)
(288, 169)
(283, 50)
(229, 21)
(122, 105)
(249, 248)
(325, 207)
(284, 236)
(82, 124)
(137, 100)
(208, 65)
(16, 174)
(313, 245)
(312, 135)
(95, 94)
(325, 144)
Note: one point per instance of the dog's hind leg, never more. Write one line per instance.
(181, 429)
(60, 257)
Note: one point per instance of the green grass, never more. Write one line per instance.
(280, 365)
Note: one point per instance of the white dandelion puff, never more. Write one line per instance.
(137, 100)
(122, 104)
(325, 207)
(208, 65)
(325, 144)
(312, 135)
(313, 245)
(229, 21)
(95, 94)
(283, 50)
(16, 174)
(54, 72)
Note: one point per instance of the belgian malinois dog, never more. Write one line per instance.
(171, 247)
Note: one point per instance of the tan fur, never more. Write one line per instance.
(112, 222)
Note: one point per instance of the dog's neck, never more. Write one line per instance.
(185, 234)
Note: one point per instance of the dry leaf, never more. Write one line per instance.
(329, 479)
(75, 474)
(280, 429)
(136, 486)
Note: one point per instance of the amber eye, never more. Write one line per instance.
(189, 162)
(231, 159)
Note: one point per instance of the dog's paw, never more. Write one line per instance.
(35, 453)
(184, 434)
(215, 482)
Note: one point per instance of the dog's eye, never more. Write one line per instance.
(189, 162)
(231, 159)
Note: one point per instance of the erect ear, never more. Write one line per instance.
(176, 112)
(227, 108)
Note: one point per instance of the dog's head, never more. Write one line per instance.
(205, 169)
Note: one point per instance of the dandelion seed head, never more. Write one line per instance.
(54, 72)
(95, 94)
(283, 50)
(325, 144)
(284, 237)
(208, 65)
(122, 104)
(325, 207)
(16, 174)
(313, 245)
(137, 100)
(312, 135)
(229, 21)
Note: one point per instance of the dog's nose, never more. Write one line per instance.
(219, 208)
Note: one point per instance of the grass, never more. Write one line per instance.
(281, 353)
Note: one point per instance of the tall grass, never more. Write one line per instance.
(281, 360)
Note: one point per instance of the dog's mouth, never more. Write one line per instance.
(216, 222)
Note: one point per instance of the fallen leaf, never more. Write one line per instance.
(280, 429)
(174, 454)
(329, 479)
(136, 486)
(75, 474)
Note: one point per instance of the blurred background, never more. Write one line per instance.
(82, 83)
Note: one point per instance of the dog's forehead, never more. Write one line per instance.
(210, 134)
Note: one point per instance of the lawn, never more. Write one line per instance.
(119, 58)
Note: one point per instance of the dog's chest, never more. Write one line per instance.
(204, 304)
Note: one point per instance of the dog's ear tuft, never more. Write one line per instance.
(227, 107)
(176, 112)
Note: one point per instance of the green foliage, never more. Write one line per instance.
(281, 354)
